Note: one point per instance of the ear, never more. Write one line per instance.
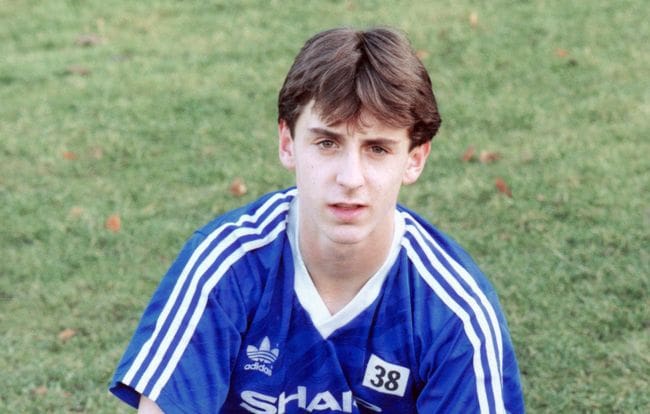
(285, 145)
(416, 161)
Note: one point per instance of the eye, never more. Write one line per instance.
(326, 144)
(376, 149)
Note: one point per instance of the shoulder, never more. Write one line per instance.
(245, 238)
(256, 216)
(453, 282)
(436, 254)
(243, 230)
(227, 247)
(449, 274)
(462, 313)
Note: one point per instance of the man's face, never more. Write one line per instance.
(348, 176)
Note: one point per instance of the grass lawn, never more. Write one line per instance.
(123, 125)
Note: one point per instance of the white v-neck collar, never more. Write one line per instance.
(310, 299)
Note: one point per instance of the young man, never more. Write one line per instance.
(329, 297)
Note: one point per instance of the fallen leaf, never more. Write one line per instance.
(468, 155)
(69, 155)
(238, 187)
(76, 212)
(527, 157)
(40, 390)
(488, 157)
(502, 187)
(113, 223)
(473, 19)
(67, 334)
(88, 39)
(559, 52)
(97, 153)
(78, 70)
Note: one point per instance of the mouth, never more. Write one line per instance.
(346, 212)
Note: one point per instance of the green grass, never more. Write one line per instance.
(179, 100)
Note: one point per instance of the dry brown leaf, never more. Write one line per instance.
(468, 155)
(113, 223)
(473, 19)
(97, 153)
(88, 39)
(502, 187)
(238, 187)
(69, 155)
(527, 157)
(559, 52)
(487, 157)
(67, 334)
(78, 70)
(76, 212)
(40, 390)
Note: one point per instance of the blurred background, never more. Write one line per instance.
(124, 126)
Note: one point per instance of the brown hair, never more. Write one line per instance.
(347, 72)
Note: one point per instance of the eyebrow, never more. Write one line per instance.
(326, 132)
(332, 134)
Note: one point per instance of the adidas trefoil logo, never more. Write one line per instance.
(263, 357)
(264, 353)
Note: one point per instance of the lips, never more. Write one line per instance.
(346, 212)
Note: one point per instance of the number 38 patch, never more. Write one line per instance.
(385, 377)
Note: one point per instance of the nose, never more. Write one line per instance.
(350, 173)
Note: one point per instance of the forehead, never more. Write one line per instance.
(365, 124)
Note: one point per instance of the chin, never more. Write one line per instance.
(348, 236)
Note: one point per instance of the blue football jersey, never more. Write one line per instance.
(237, 325)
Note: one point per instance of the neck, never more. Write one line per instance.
(340, 271)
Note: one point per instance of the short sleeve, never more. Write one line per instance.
(185, 346)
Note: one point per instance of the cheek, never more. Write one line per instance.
(307, 173)
(388, 176)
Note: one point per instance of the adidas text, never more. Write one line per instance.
(256, 366)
